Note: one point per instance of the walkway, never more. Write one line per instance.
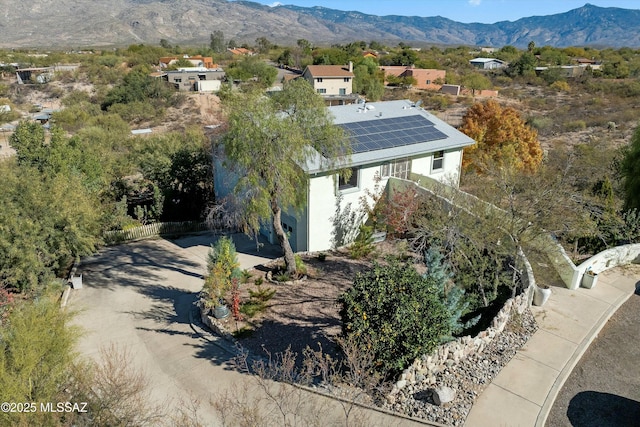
(524, 391)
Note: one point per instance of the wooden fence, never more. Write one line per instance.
(156, 229)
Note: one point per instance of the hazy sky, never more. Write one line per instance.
(485, 11)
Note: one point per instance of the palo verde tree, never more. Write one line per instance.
(501, 135)
(268, 141)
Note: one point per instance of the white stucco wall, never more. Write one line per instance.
(314, 228)
(327, 203)
(449, 174)
(333, 85)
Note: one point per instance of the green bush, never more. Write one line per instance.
(301, 268)
(541, 124)
(395, 313)
(575, 125)
(363, 245)
(257, 301)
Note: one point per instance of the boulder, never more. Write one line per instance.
(442, 395)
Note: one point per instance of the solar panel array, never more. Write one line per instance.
(379, 134)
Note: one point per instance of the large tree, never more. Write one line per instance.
(268, 141)
(630, 170)
(500, 135)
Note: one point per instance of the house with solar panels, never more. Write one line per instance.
(388, 139)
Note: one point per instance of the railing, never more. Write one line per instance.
(471, 204)
(570, 274)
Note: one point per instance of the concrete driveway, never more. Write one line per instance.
(138, 296)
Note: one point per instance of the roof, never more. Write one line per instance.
(240, 51)
(383, 131)
(329, 71)
(483, 60)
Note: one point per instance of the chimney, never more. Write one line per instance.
(351, 66)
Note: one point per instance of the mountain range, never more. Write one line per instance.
(88, 23)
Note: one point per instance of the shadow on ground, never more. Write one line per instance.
(135, 265)
(244, 244)
(596, 409)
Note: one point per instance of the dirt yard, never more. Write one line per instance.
(301, 313)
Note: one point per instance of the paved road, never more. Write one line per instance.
(138, 297)
(603, 390)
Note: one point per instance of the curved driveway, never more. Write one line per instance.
(138, 296)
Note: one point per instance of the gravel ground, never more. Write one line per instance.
(604, 388)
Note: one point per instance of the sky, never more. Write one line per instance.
(484, 11)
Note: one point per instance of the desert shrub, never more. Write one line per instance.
(136, 112)
(561, 86)
(503, 81)
(439, 102)
(396, 314)
(575, 125)
(541, 124)
(363, 245)
(301, 268)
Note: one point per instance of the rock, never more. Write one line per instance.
(443, 394)
(400, 384)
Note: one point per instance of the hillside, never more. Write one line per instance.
(82, 23)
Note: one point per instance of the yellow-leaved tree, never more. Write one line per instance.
(501, 135)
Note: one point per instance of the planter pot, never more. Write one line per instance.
(221, 312)
(379, 236)
(589, 280)
(541, 295)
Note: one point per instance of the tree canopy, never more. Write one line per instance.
(630, 170)
(500, 135)
(268, 140)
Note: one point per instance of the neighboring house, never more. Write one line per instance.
(425, 78)
(567, 71)
(388, 139)
(34, 75)
(240, 51)
(193, 79)
(198, 61)
(333, 82)
(488, 63)
(488, 49)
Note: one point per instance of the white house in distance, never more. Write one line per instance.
(391, 139)
(488, 63)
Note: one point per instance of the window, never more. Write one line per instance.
(346, 79)
(322, 91)
(319, 79)
(343, 91)
(428, 82)
(397, 169)
(178, 80)
(352, 182)
(438, 161)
